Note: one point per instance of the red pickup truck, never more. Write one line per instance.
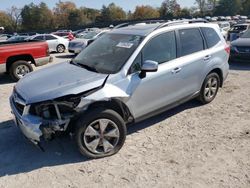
(16, 58)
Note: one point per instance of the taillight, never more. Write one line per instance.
(227, 49)
(47, 51)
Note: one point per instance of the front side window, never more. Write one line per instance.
(108, 53)
(161, 49)
(136, 66)
(190, 41)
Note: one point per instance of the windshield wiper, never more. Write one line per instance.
(87, 67)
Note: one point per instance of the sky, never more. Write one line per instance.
(125, 4)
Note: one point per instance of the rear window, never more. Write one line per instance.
(39, 37)
(211, 36)
(50, 37)
(191, 41)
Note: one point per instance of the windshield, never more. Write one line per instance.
(239, 28)
(109, 53)
(90, 35)
(246, 34)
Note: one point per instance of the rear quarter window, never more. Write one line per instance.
(212, 38)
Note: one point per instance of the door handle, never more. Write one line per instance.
(207, 58)
(176, 70)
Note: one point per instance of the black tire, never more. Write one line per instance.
(24, 68)
(60, 48)
(88, 120)
(208, 93)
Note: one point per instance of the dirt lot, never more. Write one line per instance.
(189, 146)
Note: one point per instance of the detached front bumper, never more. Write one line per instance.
(28, 124)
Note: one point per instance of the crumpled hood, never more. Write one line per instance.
(57, 81)
(241, 42)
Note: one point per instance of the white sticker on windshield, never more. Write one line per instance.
(124, 44)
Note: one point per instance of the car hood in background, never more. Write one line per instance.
(79, 41)
(241, 42)
(59, 80)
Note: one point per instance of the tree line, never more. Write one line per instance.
(66, 15)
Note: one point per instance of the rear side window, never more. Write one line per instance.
(211, 36)
(191, 41)
(39, 37)
(50, 37)
(161, 49)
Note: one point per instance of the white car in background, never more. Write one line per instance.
(56, 43)
(86, 38)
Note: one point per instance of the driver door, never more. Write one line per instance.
(160, 88)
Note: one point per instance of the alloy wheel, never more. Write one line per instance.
(22, 70)
(101, 136)
(211, 88)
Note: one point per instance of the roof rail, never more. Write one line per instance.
(138, 22)
(170, 23)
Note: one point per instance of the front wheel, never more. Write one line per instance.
(209, 88)
(100, 133)
(60, 48)
(19, 69)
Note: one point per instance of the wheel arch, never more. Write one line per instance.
(219, 72)
(24, 57)
(114, 104)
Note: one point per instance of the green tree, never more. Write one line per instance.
(15, 15)
(169, 9)
(246, 8)
(145, 12)
(6, 22)
(229, 7)
(184, 13)
(201, 5)
(36, 17)
(62, 12)
(111, 13)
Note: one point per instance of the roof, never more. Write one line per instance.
(243, 24)
(140, 29)
(143, 29)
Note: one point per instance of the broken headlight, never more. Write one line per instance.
(60, 108)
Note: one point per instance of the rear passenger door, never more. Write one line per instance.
(52, 42)
(192, 60)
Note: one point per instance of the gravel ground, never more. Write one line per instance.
(189, 146)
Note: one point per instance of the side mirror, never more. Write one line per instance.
(148, 66)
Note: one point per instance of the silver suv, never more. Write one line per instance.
(125, 76)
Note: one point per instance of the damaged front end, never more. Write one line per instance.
(44, 119)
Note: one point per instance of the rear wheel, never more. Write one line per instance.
(100, 133)
(60, 48)
(19, 69)
(209, 88)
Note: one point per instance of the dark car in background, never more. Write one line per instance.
(17, 38)
(237, 30)
(240, 48)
